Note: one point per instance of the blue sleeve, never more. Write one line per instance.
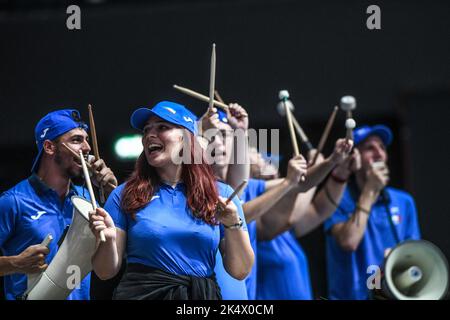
(8, 215)
(261, 187)
(342, 214)
(112, 206)
(226, 193)
(412, 222)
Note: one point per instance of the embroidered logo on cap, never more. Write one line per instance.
(44, 132)
(170, 110)
(187, 119)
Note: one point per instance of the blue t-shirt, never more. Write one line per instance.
(28, 212)
(166, 235)
(283, 272)
(233, 289)
(348, 271)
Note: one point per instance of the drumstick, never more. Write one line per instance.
(91, 192)
(301, 133)
(212, 77)
(325, 134)
(87, 164)
(235, 192)
(218, 97)
(350, 124)
(199, 96)
(101, 191)
(284, 95)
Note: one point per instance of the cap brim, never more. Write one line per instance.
(384, 133)
(140, 117)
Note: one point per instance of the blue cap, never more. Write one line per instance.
(53, 125)
(169, 111)
(382, 131)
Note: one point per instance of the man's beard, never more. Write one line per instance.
(76, 176)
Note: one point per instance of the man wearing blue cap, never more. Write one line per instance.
(370, 219)
(41, 205)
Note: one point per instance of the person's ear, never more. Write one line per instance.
(49, 147)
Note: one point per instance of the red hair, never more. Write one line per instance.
(201, 189)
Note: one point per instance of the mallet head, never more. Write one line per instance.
(348, 103)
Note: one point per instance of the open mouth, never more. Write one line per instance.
(154, 148)
(77, 160)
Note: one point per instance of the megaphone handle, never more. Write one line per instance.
(47, 240)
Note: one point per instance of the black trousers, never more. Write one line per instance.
(141, 282)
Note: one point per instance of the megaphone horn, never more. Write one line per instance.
(415, 270)
(75, 251)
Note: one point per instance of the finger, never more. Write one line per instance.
(42, 268)
(100, 228)
(42, 250)
(98, 165)
(102, 212)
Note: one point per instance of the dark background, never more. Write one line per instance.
(130, 53)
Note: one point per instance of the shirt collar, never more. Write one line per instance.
(42, 188)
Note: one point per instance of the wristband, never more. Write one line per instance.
(235, 226)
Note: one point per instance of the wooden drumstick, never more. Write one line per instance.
(212, 77)
(218, 97)
(325, 134)
(87, 164)
(348, 104)
(199, 96)
(101, 190)
(91, 191)
(236, 192)
(284, 95)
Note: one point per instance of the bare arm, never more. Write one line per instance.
(350, 233)
(321, 207)
(236, 250)
(327, 199)
(257, 207)
(107, 259)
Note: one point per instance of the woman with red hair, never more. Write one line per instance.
(170, 217)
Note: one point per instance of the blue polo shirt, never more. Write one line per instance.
(166, 235)
(28, 212)
(233, 289)
(347, 271)
(283, 272)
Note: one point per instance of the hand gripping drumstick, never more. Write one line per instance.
(87, 164)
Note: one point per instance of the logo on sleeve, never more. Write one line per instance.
(395, 215)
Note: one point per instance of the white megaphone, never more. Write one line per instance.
(74, 255)
(415, 270)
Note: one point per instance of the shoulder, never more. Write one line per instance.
(117, 192)
(21, 190)
(399, 194)
(224, 189)
(256, 183)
